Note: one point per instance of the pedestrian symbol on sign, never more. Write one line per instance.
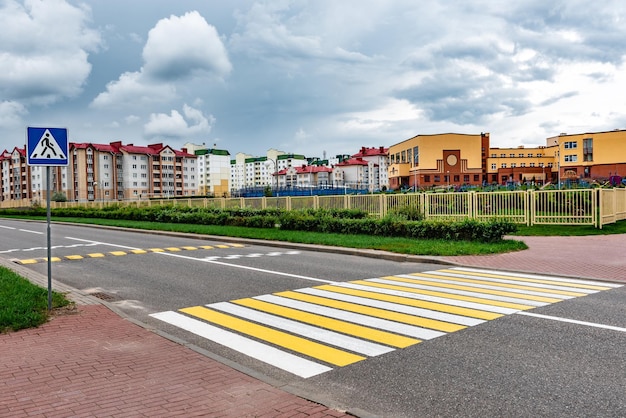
(48, 148)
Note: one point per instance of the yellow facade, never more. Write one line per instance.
(594, 156)
(438, 160)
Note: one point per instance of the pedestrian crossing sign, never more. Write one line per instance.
(47, 146)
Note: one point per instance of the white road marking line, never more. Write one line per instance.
(262, 352)
(369, 321)
(396, 307)
(278, 273)
(572, 321)
(31, 232)
(323, 335)
(7, 227)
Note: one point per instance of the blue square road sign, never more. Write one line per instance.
(47, 146)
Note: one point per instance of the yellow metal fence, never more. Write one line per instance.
(595, 207)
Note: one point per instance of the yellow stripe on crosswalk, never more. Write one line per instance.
(512, 286)
(157, 250)
(96, 255)
(479, 290)
(190, 248)
(440, 307)
(29, 261)
(139, 251)
(528, 279)
(74, 257)
(375, 312)
(473, 299)
(173, 249)
(383, 337)
(301, 345)
(119, 253)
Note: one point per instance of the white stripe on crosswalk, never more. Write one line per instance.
(384, 324)
(395, 305)
(424, 313)
(263, 352)
(330, 337)
(428, 298)
(468, 293)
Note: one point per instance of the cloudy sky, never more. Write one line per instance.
(312, 76)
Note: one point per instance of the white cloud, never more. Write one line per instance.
(174, 125)
(11, 113)
(131, 90)
(44, 50)
(178, 48)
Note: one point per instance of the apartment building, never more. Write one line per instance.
(213, 171)
(116, 171)
(20, 181)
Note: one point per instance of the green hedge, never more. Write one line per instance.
(322, 220)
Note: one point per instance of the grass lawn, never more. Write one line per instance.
(23, 304)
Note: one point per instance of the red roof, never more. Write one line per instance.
(353, 161)
(372, 152)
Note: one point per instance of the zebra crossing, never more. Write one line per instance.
(310, 331)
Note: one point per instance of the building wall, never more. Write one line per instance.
(520, 165)
(606, 157)
(438, 160)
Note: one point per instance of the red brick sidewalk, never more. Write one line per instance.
(96, 364)
(600, 257)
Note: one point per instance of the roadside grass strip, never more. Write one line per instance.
(125, 252)
(313, 330)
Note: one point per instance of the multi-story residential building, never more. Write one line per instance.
(238, 171)
(15, 175)
(214, 169)
(115, 171)
(378, 177)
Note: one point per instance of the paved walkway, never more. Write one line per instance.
(596, 257)
(95, 363)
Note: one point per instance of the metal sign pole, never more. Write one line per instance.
(48, 239)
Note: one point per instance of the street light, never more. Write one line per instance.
(274, 174)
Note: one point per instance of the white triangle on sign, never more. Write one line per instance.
(48, 148)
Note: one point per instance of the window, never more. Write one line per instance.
(532, 164)
(416, 155)
(476, 177)
(570, 144)
(502, 155)
(521, 155)
(493, 155)
(493, 166)
(571, 158)
(466, 178)
(523, 165)
(427, 178)
(503, 165)
(513, 165)
(588, 149)
(512, 155)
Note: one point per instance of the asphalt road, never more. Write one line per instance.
(501, 354)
